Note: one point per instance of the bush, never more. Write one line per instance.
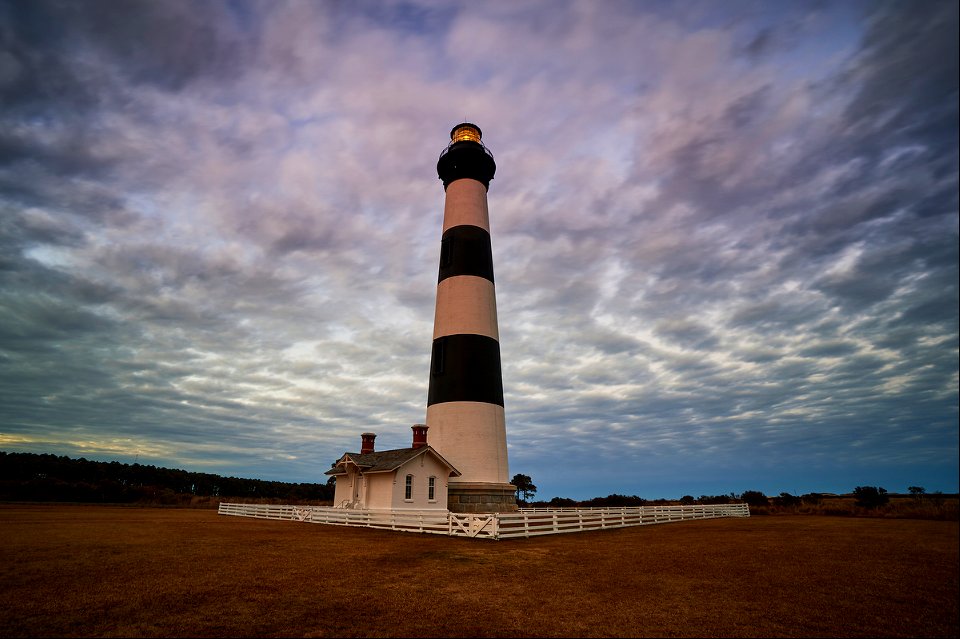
(714, 499)
(755, 498)
(615, 501)
(870, 497)
(786, 500)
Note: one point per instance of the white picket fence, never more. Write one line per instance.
(525, 523)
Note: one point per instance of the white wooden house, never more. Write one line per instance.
(412, 478)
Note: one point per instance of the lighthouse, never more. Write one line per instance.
(465, 413)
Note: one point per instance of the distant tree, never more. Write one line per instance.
(870, 497)
(715, 499)
(525, 487)
(918, 492)
(562, 502)
(811, 498)
(615, 501)
(687, 500)
(786, 499)
(28, 476)
(754, 498)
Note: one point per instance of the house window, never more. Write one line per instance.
(408, 488)
(432, 489)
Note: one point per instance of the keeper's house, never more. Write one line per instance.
(412, 478)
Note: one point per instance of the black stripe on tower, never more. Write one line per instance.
(465, 368)
(465, 250)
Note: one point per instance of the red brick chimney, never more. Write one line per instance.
(367, 443)
(419, 435)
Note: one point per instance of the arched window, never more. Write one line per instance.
(408, 488)
(432, 489)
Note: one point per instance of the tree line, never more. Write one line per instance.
(46, 477)
(866, 497)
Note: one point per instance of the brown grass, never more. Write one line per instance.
(940, 507)
(109, 571)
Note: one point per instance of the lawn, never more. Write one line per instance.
(72, 570)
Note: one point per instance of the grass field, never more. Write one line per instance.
(70, 570)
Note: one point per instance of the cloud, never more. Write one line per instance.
(725, 243)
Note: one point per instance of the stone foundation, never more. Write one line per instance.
(477, 497)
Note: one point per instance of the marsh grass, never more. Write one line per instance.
(107, 571)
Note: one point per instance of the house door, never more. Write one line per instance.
(356, 487)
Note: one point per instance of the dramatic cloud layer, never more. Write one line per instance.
(725, 235)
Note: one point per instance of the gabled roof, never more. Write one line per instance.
(387, 460)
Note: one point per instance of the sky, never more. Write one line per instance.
(725, 235)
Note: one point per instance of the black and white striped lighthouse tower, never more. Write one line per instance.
(465, 402)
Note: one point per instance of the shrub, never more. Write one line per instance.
(714, 499)
(615, 501)
(786, 500)
(755, 498)
(870, 497)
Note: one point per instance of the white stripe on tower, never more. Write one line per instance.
(465, 401)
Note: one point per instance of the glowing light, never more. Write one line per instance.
(465, 133)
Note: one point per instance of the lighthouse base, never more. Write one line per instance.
(481, 497)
